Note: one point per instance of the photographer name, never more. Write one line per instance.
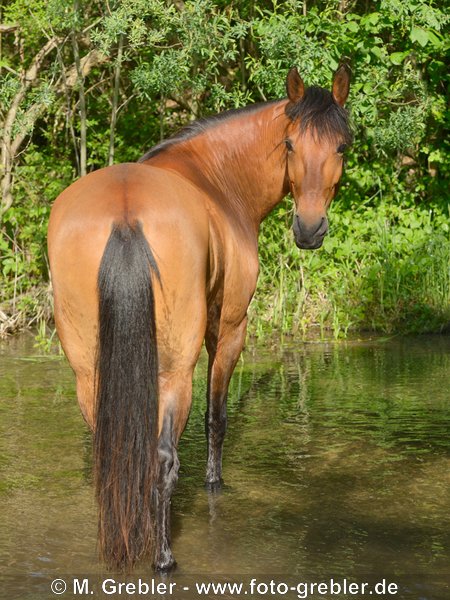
(110, 586)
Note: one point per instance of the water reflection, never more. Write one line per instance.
(336, 464)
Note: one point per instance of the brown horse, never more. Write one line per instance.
(150, 259)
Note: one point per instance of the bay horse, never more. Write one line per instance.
(150, 259)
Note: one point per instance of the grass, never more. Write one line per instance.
(385, 269)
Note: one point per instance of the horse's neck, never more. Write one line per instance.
(240, 162)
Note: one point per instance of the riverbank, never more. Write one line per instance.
(383, 269)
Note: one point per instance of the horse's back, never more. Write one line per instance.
(174, 220)
(130, 192)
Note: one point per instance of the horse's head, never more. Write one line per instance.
(317, 135)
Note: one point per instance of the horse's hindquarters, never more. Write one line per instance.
(175, 225)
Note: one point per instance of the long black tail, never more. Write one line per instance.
(126, 427)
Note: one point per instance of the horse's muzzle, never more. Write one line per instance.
(309, 237)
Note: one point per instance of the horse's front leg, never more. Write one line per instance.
(224, 348)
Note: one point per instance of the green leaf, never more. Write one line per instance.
(419, 35)
(333, 64)
(371, 19)
(435, 40)
(397, 58)
(352, 26)
(376, 51)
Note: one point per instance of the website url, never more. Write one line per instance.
(302, 590)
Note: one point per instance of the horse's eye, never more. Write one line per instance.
(289, 145)
(341, 149)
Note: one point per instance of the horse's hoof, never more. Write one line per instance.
(165, 564)
(213, 486)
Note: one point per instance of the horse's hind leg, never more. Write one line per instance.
(224, 350)
(85, 395)
(79, 340)
(175, 403)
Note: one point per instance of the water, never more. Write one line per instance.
(336, 466)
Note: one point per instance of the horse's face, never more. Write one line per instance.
(315, 151)
(314, 170)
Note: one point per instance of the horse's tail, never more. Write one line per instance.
(126, 426)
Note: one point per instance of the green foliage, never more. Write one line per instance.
(385, 268)
(384, 264)
(190, 70)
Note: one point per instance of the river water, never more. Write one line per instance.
(336, 466)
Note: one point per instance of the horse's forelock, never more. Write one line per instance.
(318, 112)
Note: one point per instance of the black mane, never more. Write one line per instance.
(197, 127)
(319, 112)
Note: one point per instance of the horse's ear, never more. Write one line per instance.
(294, 85)
(341, 84)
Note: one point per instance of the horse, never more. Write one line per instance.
(150, 259)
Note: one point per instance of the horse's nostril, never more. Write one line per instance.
(323, 226)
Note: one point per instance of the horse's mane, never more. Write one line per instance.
(199, 126)
(317, 110)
